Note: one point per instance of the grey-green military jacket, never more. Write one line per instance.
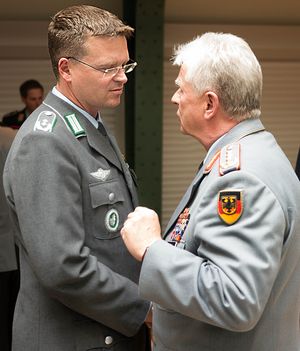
(8, 260)
(234, 282)
(70, 191)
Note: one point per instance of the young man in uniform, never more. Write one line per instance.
(70, 191)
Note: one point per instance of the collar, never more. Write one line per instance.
(93, 120)
(241, 130)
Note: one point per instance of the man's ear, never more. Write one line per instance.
(63, 69)
(212, 104)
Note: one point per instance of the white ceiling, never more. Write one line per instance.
(197, 11)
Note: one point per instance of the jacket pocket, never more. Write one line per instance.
(107, 201)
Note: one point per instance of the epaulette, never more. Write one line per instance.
(45, 121)
(229, 158)
(74, 125)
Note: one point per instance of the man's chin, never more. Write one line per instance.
(113, 103)
(182, 130)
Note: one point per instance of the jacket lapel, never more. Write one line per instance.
(96, 141)
(125, 168)
(185, 199)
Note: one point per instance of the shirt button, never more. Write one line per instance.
(108, 340)
(111, 196)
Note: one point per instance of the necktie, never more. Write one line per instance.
(101, 129)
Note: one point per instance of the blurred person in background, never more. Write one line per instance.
(32, 94)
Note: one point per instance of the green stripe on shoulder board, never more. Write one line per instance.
(74, 125)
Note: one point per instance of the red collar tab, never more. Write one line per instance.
(209, 167)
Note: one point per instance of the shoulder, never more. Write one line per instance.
(49, 121)
(227, 159)
(44, 121)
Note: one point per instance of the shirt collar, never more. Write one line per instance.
(93, 120)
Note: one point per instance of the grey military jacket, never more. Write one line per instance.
(8, 261)
(233, 282)
(70, 191)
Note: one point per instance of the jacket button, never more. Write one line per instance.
(111, 196)
(108, 340)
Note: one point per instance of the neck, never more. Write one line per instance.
(68, 93)
(216, 129)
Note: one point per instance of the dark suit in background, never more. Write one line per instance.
(31, 93)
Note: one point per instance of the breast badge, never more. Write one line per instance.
(230, 205)
(101, 174)
(112, 220)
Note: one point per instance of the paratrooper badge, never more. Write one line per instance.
(230, 205)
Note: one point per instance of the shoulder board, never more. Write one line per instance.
(74, 125)
(45, 121)
(229, 158)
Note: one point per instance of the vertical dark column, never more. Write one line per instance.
(144, 109)
(129, 17)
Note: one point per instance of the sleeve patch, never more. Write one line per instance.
(230, 205)
(45, 121)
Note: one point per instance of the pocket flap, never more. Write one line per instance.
(105, 193)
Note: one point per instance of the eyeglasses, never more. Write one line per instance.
(110, 72)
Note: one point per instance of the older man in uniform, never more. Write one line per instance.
(227, 274)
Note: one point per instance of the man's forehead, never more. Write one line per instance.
(178, 81)
(180, 78)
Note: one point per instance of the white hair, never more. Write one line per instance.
(226, 65)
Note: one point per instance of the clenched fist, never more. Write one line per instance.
(140, 230)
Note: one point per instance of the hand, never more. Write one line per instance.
(140, 230)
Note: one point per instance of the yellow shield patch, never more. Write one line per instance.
(230, 205)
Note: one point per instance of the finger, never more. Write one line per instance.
(130, 215)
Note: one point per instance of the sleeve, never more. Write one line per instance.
(228, 278)
(46, 186)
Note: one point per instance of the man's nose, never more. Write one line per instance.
(121, 76)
